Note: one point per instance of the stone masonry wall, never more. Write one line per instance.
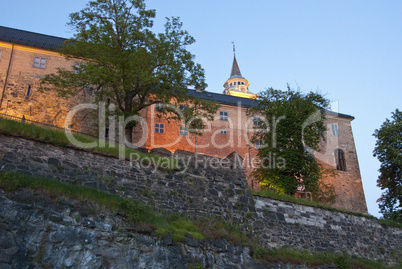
(284, 224)
(40, 232)
(22, 97)
(199, 191)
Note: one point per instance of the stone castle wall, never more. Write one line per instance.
(299, 226)
(206, 191)
(18, 74)
(347, 184)
(20, 89)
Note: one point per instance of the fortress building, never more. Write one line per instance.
(25, 57)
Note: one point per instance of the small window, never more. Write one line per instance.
(223, 115)
(334, 128)
(29, 91)
(39, 62)
(76, 68)
(70, 126)
(223, 132)
(231, 84)
(0, 54)
(183, 131)
(159, 128)
(182, 108)
(259, 144)
(159, 107)
(242, 83)
(257, 121)
(340, 160)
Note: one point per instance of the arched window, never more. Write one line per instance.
(340, 160)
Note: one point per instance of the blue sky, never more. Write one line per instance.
(349, 50)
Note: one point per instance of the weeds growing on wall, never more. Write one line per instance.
(293, 256)
(58, 137)
(288, 198)
(137, 212)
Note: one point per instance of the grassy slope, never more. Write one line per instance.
(137, 212)
(176, 226)
(58, 137)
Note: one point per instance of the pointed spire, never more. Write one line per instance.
(237, 85)
(235, 69)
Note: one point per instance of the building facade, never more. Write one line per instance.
(26, 57)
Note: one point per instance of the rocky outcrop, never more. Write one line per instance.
(37, 231)
(42, 232)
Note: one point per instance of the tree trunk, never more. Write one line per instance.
(128, 132)
(196, 144)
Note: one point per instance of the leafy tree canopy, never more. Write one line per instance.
(388, 150)
(291, 126)
(122, 60)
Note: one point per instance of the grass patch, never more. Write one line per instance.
(293, 256)
(389, 222)
(288, 198)
(180, 227)
(216, 229)
(138, 213)
(58, 137)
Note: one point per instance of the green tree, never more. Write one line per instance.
(122, 60)
(292, 128)
(388, 150)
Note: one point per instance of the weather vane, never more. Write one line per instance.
(234, 47)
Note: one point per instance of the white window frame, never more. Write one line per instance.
(39, 62)
(257, 121)
(223, 115)
(259, 144)
(159, 128)
(335, 130)
(183, 131)
(159, 107)
(76, 65)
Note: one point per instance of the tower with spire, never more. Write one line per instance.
(237, 85)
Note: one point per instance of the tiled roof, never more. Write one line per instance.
(223, 99)
(243, 102)
(31, 39)
(328, 112)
